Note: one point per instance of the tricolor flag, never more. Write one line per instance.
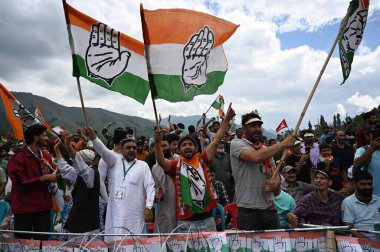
(281, 126)
(184, 52)
(352, 34)
(105, 56)
(18, 116)
(219, 105)
(39, 117)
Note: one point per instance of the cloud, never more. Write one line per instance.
(341, 110)
(35, 57)
(364, 103)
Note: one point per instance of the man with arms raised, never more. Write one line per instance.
(131, 189)
(252, 168)
(195, 199)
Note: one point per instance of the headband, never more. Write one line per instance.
(252, 120)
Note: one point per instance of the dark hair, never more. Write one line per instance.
(181, 126)
(172, 137)
(368, 115)
(188, 137)
(118, 135)
(34, 130)
(127, 140)
(324, 146)
(191, 129)
(165, 138)
(215, 122)
(362, 175)
(246, 117)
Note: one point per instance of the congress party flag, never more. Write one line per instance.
(184, 51)
(281, 126)
(352, 34)
(38, 116)
(105, 56)
(18, 116)
(219, 105)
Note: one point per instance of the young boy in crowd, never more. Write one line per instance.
(332, 165)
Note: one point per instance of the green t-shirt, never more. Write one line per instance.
(284, 204)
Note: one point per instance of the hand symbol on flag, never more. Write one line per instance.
(104, 59)
(195, 54)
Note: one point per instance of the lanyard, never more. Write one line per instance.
(125, 172)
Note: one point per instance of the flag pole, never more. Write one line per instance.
(211, 105)
(143, 26)
(342, 26)
(82, 103)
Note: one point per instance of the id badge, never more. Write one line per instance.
(120, 193)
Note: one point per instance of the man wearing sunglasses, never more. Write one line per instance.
(131, 189)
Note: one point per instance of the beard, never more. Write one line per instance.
(365, 192)
(167, 154)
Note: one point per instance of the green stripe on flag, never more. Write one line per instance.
(125, 84)
(186, 196)
(170, 87)
(216, 105)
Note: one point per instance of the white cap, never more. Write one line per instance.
(87, 155)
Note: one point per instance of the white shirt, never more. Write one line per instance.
(126, 214)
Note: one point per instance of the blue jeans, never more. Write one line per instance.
(205, 225)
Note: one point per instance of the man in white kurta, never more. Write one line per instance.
(131, 189)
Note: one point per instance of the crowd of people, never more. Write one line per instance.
(175, 180)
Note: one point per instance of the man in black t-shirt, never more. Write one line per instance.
(301, 162)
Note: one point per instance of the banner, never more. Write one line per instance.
(210, 242)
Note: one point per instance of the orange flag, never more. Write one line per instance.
(18, 117)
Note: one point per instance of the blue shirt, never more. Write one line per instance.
(373, 167)
(284, 204)
(361, 215)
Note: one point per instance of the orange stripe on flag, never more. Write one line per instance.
(79, 19)
(15, 122)
(182, 24)
(39, 114)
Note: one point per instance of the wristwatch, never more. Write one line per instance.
(149, 207)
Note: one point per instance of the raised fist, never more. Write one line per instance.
(104, 59)
(195, 55)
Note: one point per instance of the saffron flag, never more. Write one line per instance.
(184, 51)
(105, 56)
(219, 105)
(281, 126)
(18, 116)
(38, 116)
(352, 34)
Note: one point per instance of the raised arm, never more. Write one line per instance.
(218, 137)
(161, 160)
(84, 171)
(107, 155)
(262, 155)
(365, 158)
(205, 126)
(67, 171)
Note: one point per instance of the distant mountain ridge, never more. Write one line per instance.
(72, 117)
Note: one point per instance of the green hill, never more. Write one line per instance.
(72, 117)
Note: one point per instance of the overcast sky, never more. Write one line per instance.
(274, 57)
